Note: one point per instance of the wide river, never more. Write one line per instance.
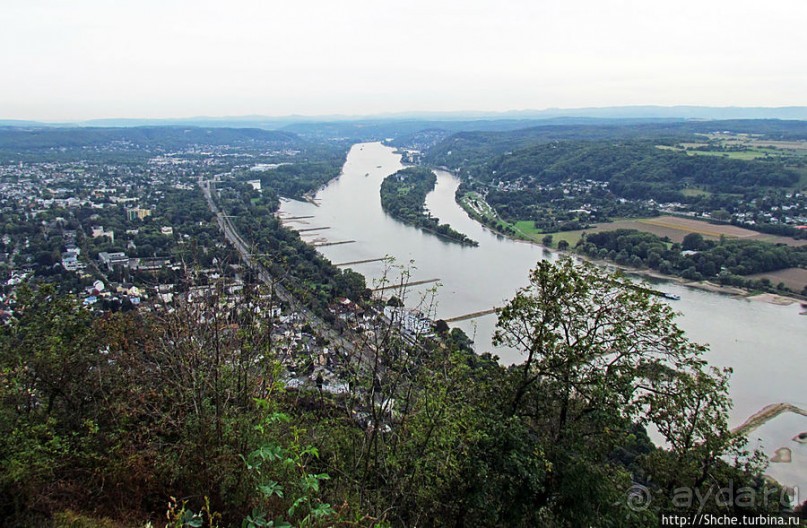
(765, 344)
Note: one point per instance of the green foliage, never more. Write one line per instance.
(157, 405)
(566, 178)
(116, 414)
(602, 356)
(296, 179)
(286, 489)
(466, 150)
(180, 516)
(550, 184)
(46, 357)
(403, 196)
(727, 260)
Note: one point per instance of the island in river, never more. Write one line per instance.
(403, 196)
(762, 342)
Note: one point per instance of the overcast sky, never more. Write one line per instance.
(81, 59)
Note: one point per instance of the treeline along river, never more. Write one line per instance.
(765, 344)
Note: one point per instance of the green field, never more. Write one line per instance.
(695, 192)
(572, 237)
(741, 147)
(750, 154)
(527, 227)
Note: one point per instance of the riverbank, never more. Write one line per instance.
(478, 209)
(762, 342)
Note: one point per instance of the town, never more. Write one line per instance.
(138, 228)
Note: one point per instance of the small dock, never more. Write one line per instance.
(405, 285)
(324, 244)
(312, 229)
(355, 262)
(472, 315)
(285, 218)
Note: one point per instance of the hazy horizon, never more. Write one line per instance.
(173, 59)
(640, 112)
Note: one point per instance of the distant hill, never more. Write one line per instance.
(471, 147)
(24, 138)
(379, 129)
(674, 112)
(515, 118)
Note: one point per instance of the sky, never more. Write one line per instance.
(86, 59)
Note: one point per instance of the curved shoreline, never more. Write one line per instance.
(705, 285)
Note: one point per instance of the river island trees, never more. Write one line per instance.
(403, 196)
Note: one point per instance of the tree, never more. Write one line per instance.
(46, 360)
(600, 357)
(547, 240)
(158, 403)
(693, 242)
(589, 334)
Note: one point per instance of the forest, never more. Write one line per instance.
(466, 150)
(293, 180)
(727, 261)
(181, 419)
(638, 171)
(568, 184)
(403, 196)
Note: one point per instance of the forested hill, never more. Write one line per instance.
(635, 170)
(469, 149)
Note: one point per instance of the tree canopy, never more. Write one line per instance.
(116, 414)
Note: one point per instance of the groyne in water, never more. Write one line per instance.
(324, 244)
(404, 285)
(312, 229)
(472, 315)
(765, 415)
(365, 261)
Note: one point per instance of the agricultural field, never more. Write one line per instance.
(676, 228)
(692, 191)
(740, 146)
(793, 278)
